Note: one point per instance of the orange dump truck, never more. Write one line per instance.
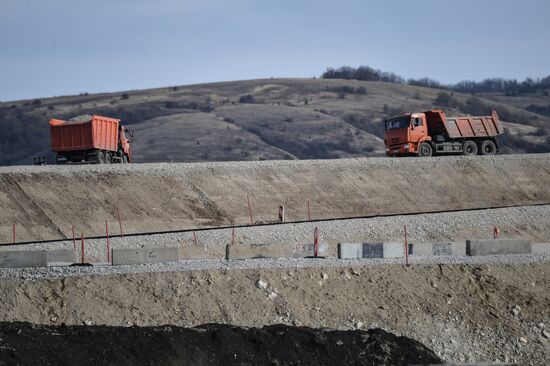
(90, 139)
(433, 133)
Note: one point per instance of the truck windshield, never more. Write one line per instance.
(399, 122)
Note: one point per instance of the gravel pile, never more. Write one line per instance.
(80, 118)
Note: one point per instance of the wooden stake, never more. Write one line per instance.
(406, 245)
(108, 244)
(249, 210)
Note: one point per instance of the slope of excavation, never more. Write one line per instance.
(46, 202)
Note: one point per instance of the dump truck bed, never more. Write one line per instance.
(465, 126)
(98, 133)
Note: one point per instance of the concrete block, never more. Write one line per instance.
(23, 258)
(370, 250)
(192, 252)
(540, 248)
(394, 250)
(308, 250)
(254, 251)
(440, 249)
(145, 255)
(497, 246)
(350, 250)
(61, 257)
(423, 249)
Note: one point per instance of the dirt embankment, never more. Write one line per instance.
(465, 313)
(44, 202)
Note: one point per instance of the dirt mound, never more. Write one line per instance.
(465, 313)
(216, 344)
(44, 202)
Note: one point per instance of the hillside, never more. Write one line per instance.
(260, 119)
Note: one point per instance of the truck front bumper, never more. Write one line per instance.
(405, 149)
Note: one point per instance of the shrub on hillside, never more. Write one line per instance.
(249, 98)
(445, 99)
(346, 89)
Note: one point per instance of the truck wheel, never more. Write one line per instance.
(488, 147)
(124, 159)
(100, 157)
(425, 149)
(108, 158)
(470, 148)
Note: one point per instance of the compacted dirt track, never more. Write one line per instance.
(45, 202)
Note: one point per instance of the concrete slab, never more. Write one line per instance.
(308, 250)
(273, 250)
(192, 252)
(497, 246)
(370, 250)
(457, 248)
(540, 248)
(61, 257)
(23, 258)
(350, 250)
(394, 250)
(144, 255)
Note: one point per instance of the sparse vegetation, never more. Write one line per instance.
(346, 89)
(510, 87)
(540, 109)
(249, 98)
(445, 99)
(362, 73)
(280, 126)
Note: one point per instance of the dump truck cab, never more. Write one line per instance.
(433, 133)
(125, 150)
(404, 134)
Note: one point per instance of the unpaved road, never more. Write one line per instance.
(45, 202)
(464, 312)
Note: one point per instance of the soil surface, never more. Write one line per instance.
(210, 344)
(46, 202)
(464, 312)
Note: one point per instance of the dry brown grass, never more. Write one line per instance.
(291, 118)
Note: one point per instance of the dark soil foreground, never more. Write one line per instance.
(28, 344)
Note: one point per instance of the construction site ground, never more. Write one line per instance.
(465, 309)
(46, 202)
(489, 309)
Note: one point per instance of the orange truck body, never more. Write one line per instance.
(433, 133)
(99, 140)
